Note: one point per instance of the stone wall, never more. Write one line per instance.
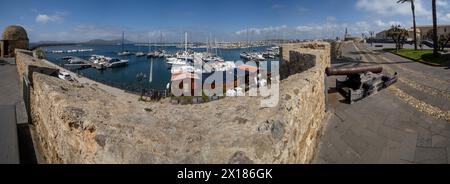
(80, 123)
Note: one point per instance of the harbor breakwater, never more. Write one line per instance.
(81, 123)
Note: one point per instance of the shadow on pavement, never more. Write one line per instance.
(26, 148)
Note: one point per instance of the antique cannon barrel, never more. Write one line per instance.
(353, 70)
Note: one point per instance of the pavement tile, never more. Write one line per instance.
(391, 133)
(430, 155)
(440, 141)
(371, 156)
(395, 153)
(440, 128)
(424, 138)
(384, 129)
(448, 155)
(372, 138)
(355, 142)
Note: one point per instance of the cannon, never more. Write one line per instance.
(361, 81)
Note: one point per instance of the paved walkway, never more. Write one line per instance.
(9, 96)
(407, 123)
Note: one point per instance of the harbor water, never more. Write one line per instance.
(125, 77)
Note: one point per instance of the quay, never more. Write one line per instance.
(84, 64)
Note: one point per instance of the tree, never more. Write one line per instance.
(398, 35)
(443, 40)
(435, 36)
(413, 9)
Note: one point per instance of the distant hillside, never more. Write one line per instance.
(35, 45)
(106, 42)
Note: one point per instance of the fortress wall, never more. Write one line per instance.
(80, 123)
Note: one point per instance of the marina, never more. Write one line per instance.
(159, 65)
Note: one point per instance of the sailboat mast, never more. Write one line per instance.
(248, 47)
(209, 44)
(215, 44)
(149, 42)
(161, 39)
(123, 35)
(185, 41)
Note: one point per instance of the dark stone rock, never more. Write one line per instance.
(101, 140)
(240, 158)
(277, 130)
(287, 97)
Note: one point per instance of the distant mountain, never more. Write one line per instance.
(106, 42)
(35, 45)
(53, 42)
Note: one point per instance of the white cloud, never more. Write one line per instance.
(391, 7)
(383, 24)
(445, 18)
(380, 23)
(259, 31)
(44, 18)
(442, 3)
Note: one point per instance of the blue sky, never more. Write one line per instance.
(80, 20)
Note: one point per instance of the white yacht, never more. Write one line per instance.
(140, 54)
(175, 61)
(116, 63)
(107, 62)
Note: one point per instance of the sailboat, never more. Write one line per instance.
(123, 52)
(251, 56)
(139, 53)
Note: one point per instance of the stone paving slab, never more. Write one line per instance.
(431, 155)
(382, 129)
(439, 141)
(448, 155)
(9, 146)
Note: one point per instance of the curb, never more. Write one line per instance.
(416, 60)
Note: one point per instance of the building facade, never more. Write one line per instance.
(425, 29)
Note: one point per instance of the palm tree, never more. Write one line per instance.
(435, 36)
(413, 9)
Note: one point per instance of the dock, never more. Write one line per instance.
(84, 64)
